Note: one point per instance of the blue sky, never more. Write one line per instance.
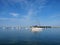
(29, 12)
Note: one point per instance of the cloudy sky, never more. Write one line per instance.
(29, 12)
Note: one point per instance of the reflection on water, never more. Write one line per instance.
(49, 36)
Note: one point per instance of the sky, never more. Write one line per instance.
(29, 12)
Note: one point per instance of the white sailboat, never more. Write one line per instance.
(36, 29)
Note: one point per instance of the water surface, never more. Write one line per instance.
(50, 36)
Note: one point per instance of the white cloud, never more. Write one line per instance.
(14, 14)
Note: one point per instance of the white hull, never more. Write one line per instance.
(36, 29)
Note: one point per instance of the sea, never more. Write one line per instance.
(48, 36)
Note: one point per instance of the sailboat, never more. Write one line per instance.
(36, 28)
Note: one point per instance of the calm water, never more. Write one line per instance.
(27, 37)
